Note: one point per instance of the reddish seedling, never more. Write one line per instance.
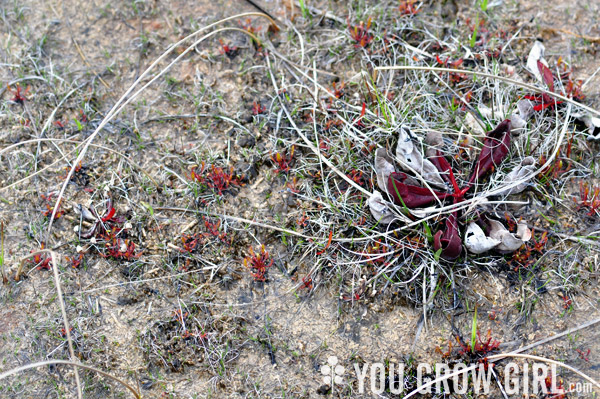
(559, 393)
(307, 283)
(49, 205)
(539, 245)
(247, 26)
(63, 332)
(42, 261)
(82, 117)
(191, 242)
(257, 108)
(408, 7)
(180, 316)
(292, 185)
(338, 90)
(79, 174)
(589, 197)
(215, 178)
(359, 121)
(447, 354)
(573, 88)
(584, 355)
(331, 123)
(258, 263)
(357, 294)
(455, 77)
(376, 253)
(483, 346)
(283, 162)
(75, 261)
(523, 257)
(213, 229)
(360, 33)
(188, 335)
(558, 167)
(19, 95)
(493, 314)
(227, 49)
(122, 249)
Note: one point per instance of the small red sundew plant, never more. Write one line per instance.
(42, 261)
(302, 221)
(585, 356)
(493, 314)
(483, 347)
(573, 87)
(63, 332)
(227, 49)
(49, 204)
(191, 242)
(331, 123)
(358, 177)
(360, 33)
(357, 294)
(338, 90)
(589, 197)
(368, 148)
(213, 229)
(523, 257)
(75, 261)
(76, 171)
(560, 392)
(19, 95)
(376, 253)
(455, 77)
(82, 117)
(180, 316)
(188, 335)
(258, 263)
(121, 249)
(292, 185)
(283, 163)
(408, 7)
(248, 27)
(560, 165)
(257, 108)
(217, 179)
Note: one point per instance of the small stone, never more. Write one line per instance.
(246, 171)
(246, 141)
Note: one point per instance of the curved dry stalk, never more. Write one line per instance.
(2, 260)
(487, 75)
(500, 357)
(309, 143)
(124, 100)
(75, 365)
(241, 220)
(545, 360)
(63, 157)
(441, 378)
(54, 257)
